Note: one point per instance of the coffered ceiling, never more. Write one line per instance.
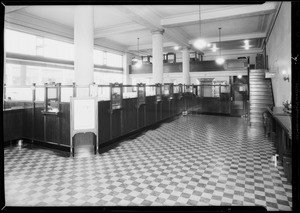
(119, 26)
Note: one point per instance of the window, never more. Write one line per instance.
(98, 57)
(58, 49)
(36, 70)
(107, 78)
(22, 43)
(114, 60)
(19, 75)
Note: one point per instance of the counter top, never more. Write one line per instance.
(285, 122)
(277, 111)
(13, 109)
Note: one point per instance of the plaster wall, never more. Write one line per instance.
(278, 49)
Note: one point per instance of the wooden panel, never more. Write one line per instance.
(65, 124)
(13, 124)
(145, 68)
(232, 64)
(28, 121)
(129, 115)
(141, 116)
(39, 122)
(205, 66)
(172, 67)
(159, 114)
(84, 140)
(52, 129)
(116, 124)
(103, 121)
(209, 105)
(165, 108)
(150, 110)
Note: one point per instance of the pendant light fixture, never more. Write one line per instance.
(220, 60)
(138, 60)
(200, 43)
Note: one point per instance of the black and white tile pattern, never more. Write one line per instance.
(197, 160)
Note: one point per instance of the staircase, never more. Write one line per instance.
(260, 96)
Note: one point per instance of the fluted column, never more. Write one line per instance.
(157, 55)
(84, 46)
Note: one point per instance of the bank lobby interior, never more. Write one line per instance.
(149, 106)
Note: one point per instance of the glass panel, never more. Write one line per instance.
(150, 91)
(24, 94)
(130, 92)
(66, 92)
(207, 91)
(216, 91)
(103, 93)
(141, 95)
(40, 94)
(116, 98)
(105, 78)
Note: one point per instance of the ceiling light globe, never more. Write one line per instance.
(220, 61)
(176, 48)
(200, 44)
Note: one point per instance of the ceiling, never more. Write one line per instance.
(118, 26)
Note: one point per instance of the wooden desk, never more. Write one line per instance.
(12, 124)
(282, 126)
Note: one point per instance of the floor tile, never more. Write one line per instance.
(193, 160)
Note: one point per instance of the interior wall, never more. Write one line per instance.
(278, 49)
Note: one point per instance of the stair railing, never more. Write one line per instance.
(270, 81)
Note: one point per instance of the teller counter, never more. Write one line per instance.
(280, 127)
(24, 120)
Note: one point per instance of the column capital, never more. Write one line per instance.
(157, 31)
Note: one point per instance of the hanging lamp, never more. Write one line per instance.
(220, 60)
(138, 60)
(200, 43)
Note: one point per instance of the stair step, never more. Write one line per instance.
(257, 115)
(258, 124)
(260, 90)
(257, 70)
(257, 73)
(260, 102)
(256, 77)
(256, 120)
(259, 82)
(257, 110)
(261, 97)
(258, 105)
(259, 86)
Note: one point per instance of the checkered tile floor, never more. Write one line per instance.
(196, 160)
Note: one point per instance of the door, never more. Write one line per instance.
(238, 99)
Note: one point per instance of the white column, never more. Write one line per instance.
(157, 56)
(126, 62)
(84, 46)
(186, 65)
